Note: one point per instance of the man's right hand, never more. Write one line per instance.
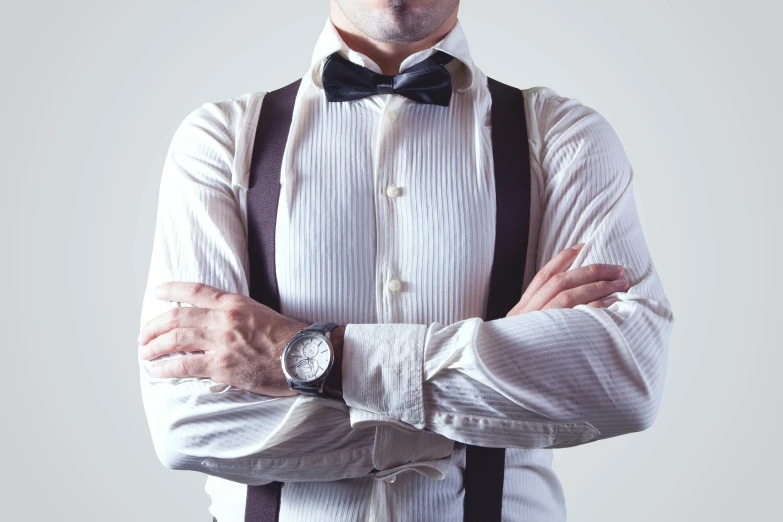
(555, 287)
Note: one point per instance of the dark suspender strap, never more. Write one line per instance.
(274, 121)
(511, 158)
(485, 467)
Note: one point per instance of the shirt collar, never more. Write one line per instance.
(454, 43)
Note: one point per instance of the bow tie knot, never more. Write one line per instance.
(425, 82)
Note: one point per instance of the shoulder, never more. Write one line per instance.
(220, 133)
(571, 136)
(222, 119)
(555, 114)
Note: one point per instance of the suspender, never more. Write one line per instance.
(484, 467)
(274, 121)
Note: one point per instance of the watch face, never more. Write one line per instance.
(307, 358)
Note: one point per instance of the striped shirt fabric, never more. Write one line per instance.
(386, 224)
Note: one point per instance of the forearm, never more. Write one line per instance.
(200, 424)
(253, 439)
(556, 378)
(559, 377)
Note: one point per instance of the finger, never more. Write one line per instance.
(176, 340)
(191, 365)
(175, 317)
(574, 278)
(586, 293)
(557, 264)
(603, 303)
(197, 294)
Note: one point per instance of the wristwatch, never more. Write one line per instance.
(307, 360)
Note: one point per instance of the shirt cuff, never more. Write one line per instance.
(382, 371)
(394, 448)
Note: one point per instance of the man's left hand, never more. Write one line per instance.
(241, 339)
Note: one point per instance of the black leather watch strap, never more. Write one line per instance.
(307, 389)
(323, 327)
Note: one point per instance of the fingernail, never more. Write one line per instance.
(578, 246)
(610, 301)
(619, 283)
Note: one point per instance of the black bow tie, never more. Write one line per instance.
(426, 82)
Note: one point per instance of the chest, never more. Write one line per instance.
(386, 212)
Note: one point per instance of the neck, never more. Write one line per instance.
(388, 55)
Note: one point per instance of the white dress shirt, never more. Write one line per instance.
(386, 223)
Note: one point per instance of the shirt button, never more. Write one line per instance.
(391, 114)
(392, 191)
(390, 480)
(394, 285)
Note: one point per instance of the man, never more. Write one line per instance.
(385, 228)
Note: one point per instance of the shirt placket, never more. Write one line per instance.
(388, 191)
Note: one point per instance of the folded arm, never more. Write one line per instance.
(197, 423)
(550, 378)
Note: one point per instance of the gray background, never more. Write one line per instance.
(93, 91)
